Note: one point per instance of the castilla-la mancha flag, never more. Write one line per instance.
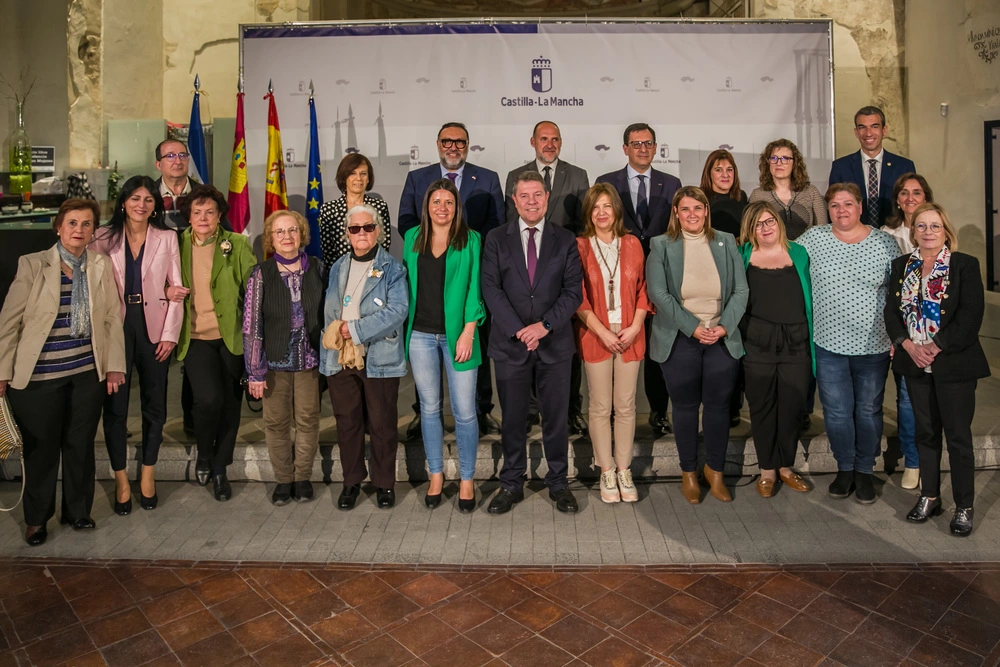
(275, 192)
(239, 189)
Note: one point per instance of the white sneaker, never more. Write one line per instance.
(911, 478)
(609, 487)
(628, 492)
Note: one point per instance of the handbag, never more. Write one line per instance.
(11, 444)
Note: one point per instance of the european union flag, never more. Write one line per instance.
(314, 192)
(196, 139)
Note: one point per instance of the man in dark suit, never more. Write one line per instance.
(567, 184)
(482, 210)
(532, 285)
(648, 196)
(873, 169)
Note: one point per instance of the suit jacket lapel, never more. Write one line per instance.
(52, 275)
(859, 174)
(888, 180)
(468, 182)
(656, 188)
(517, 252)
(559, 177)
(719, 255)
(675, 260)
(626, 196)
(547, 251)
(218, 260)
(153, 239)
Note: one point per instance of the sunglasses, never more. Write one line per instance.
(356, 229)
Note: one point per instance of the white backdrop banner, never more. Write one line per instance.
(385, 90)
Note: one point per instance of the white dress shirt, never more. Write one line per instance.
(633, 184)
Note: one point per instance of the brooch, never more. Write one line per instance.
(226, 247)
(376, 273)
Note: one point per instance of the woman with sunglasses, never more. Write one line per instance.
(784, 182)
(362, 357)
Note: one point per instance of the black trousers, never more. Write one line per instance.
(778, 376)
(152, 394)
(949, 407)
(352, 392)
(215, 374)
(484, 380)
(58, 418)
(514, 383)
(700, 375)
(652, 378)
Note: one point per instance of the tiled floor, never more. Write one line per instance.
(170, 613)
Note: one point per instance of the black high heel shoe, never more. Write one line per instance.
(125, 508)
(467, 506)
(147, 503)
(35, 535)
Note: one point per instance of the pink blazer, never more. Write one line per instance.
(161, 266)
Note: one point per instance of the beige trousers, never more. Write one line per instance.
(292, 397)
(612, 383)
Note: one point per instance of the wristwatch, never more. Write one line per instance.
(545, 323)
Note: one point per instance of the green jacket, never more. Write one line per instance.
(462, 296)
(230, 272)
(800, 260)
(664, 275)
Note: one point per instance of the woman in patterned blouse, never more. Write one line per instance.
(355, 178)
(282, 321)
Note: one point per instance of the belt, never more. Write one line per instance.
(133, 299)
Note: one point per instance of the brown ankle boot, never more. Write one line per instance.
(717, 486)
(689, 487)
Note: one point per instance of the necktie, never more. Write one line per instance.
(642, 208)
(453, 175)
(872, 194)
(548, 179)
(168, 202)
(532, 255)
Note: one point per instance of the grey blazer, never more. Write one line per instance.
(569, 184)
(664, 275)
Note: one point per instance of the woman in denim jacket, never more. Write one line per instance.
(366, 310)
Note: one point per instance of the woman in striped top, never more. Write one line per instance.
(61, 351)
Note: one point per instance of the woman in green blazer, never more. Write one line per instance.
(777, 334)
(695, 278)
(215, 267)
(442, 264)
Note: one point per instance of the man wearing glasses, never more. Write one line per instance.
(482, 210)
(647, 195)
(172, 161)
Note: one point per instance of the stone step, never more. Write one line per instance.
(653, 457)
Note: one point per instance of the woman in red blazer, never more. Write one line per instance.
(145, 259)
(610, 334)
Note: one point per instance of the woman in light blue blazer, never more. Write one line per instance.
(695, 278)
(362, 357)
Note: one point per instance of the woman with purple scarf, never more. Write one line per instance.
(282, 322)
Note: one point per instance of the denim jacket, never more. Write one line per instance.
(384, 307)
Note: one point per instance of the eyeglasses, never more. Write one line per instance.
(766, 222)
(934, 227)
(783, 159)
(457, 143)
(356, 229)
(281, 233)
(649, 143)
(175, 156)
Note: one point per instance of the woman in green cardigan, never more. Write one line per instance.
(777, 336)
(442, 264)
(215, 267)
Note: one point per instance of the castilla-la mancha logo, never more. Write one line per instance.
(541, 75)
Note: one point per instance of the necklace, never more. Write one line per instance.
(352, 293)
(611, 272)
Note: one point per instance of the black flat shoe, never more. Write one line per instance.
(385, 498)
(125, 508)
(222, 488)
(282, 494)
(413, 431)
(432, 501)
(533, 421)
(961, 523)
(148, 503)
(35, 535)
(303, 491)
(565, 501)
(203, 472)
(843, 485)
(924, 509)
(349, 497)
(504, 500)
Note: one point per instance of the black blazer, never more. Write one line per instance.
(662, 188)
(514, 303)
(962, 357)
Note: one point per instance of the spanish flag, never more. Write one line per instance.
(239, 189)
(275, 192)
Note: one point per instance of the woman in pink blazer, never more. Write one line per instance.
(145, 259)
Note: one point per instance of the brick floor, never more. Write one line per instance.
(214, 613)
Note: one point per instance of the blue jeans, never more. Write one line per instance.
(851, 389)
(427, 353)
(906, 425)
